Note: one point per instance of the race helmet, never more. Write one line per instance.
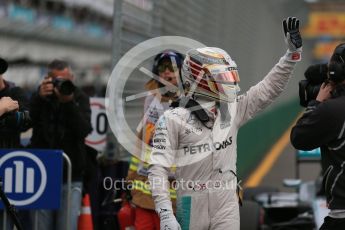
(210, 72)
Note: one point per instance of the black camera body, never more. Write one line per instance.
(65, 87)
(308, 89)
(317, 74)
(19, 119)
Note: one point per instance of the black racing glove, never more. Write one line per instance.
(293, 38)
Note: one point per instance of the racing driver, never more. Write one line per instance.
(199, 135)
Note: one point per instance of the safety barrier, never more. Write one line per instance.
(68, 200)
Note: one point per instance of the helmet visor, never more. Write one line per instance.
(229, 77)
(224, 74)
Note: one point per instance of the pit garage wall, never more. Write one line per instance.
(258, 136)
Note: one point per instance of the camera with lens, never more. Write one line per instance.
(309, 88)
(65, 87)
(317, 74)
(19, 119)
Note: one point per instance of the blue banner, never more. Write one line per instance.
(63, 23)
(31, 178)
(21, 13)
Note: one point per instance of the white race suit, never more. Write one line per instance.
(206, 157)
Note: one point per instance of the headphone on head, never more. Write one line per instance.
(336, 68)
(164, 55)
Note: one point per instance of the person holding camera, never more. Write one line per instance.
(14, 117)
(61, 117)
(323, 125)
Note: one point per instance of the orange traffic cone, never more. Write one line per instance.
(85, 218)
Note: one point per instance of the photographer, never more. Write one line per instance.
(14, 119)
(61, 120)
(322, 125)
(13, 103)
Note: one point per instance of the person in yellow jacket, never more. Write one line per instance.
(167, 66)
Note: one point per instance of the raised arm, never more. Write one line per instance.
(266, 91)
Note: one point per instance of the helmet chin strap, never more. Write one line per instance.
(207, 104)
(210, 106)
(224, 112)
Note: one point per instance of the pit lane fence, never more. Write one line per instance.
(32, 180)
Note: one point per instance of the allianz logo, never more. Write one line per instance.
(25, 177)
(14, 178)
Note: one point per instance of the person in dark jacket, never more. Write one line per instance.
(323, 125)
(14, 119)
(61, 116)
(15, 100)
